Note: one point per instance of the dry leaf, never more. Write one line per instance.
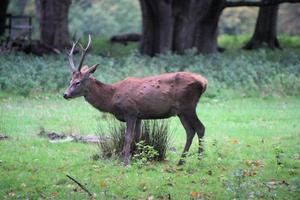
(103, 184)
(258, 163)
(55, 194)
(234, 141)
(194, 194)
(248, 162)
(252, 173)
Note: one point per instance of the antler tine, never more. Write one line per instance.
(70, 56)
(84, 52)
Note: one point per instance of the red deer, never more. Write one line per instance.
(134, 99)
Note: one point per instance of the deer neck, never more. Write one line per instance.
(100, 95)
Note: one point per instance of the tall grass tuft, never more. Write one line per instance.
(154, 133)
(113, 146)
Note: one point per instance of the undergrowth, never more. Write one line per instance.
(151, 146)
(234, 73)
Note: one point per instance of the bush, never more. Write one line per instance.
(113, 146)
(153, 144)
(242, 73)
(144, 153)
(155, 133)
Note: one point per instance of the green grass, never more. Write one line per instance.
(238, 133)
(245, 137)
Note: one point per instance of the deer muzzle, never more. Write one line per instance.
(67, 96)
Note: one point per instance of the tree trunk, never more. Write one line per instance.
(265, 29)
(178, 25)
(38, 9)
(54, 23)
(3, 10)
(22, 5)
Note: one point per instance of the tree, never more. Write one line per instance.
(54, 23)
(265, 29)
(288, 20)
(178, 25)
(21, 6)
(3, 10)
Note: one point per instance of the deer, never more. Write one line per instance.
(135, 99)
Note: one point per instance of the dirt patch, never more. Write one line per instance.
(55, 136)
(89, 138)
(3, 137)
(61, 137)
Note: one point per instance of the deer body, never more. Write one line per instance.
(155, 97)
(134, 99)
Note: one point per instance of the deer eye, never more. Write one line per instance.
(77, 83)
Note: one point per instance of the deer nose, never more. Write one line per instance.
(66, 96)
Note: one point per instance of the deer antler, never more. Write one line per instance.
(70, 55)
(84, 50)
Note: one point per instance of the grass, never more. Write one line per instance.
(251, 112)
(244, 140)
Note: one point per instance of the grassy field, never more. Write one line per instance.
(251, 152)
(251, 111)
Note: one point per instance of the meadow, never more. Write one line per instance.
(251, 112)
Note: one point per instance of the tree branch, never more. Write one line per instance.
(80, 185)
(237, 3)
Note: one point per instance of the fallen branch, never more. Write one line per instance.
(80, 185)
(125, 38)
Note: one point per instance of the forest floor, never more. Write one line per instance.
(252, 151)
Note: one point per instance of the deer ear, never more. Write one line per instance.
(93, 68)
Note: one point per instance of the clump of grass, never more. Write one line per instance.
(113, 146)
(154, 134)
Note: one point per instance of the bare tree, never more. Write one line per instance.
(3, 10)
(265, 29)
(178, 25)
(38, 9)
(54, 23)
(22, 5)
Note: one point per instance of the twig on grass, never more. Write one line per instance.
(80, 185)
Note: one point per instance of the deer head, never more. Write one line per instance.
(80, 76)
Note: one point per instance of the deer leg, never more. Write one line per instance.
(190, 133)
(129, 134)
(200, 129)
(137, 131)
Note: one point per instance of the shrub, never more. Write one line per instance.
(243, 73)
(144, 153)
(113, 146)
(153, 144)
(156, 133)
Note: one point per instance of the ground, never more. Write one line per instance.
(251, 152)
